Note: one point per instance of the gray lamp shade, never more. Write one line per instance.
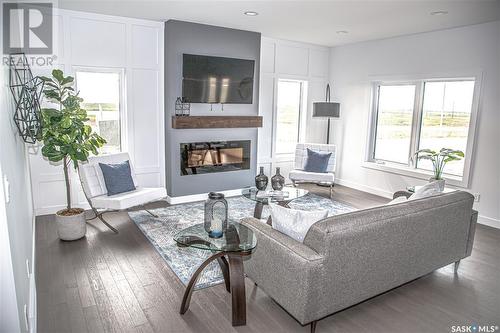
(326, 109)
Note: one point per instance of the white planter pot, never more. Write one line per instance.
(71, 227)
(441, 183)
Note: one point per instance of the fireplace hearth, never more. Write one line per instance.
(216, 156)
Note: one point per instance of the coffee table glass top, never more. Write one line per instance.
(237, 238)
(292, 194)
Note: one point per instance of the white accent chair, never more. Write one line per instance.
(96, 192)
(299, 175)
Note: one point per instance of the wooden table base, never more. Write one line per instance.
(234, 278)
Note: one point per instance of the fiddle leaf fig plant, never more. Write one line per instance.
(65, 135)
(439, 159)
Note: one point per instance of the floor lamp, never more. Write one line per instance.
(326, 109)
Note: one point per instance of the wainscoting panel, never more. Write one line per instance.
(145, 119)
(145, 53)
(293, 61)
(136, 47)
(98, 43)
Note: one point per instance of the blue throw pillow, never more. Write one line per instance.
(316, 161)
(117, 177)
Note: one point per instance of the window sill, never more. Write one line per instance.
(414, 173)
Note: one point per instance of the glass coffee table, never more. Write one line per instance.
(237, 242)
(293, 193)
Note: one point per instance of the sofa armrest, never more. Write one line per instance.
(472, 232)
(288, 271)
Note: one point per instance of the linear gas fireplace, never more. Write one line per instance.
(219, 156)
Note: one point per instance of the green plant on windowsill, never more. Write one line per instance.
(66, 137)
(439, 159)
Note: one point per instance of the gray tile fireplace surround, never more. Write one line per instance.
(184, 37)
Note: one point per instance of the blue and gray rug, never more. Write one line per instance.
(184, 261)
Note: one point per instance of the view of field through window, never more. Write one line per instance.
(101, 95)
(394, 119)
(445, 119)
(288, 115)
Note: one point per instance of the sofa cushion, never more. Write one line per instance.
(139, 196)
(311, 176)
(117, 177)
(427, 190)
(316, 161)
(397, 200)
(294, 223)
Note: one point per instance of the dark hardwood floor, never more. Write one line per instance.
(119, 283)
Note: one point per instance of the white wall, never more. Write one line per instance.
(453, 52)
(100, 41)
(282, 59)
(16, 219)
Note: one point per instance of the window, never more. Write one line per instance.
(424, 114)
(101, 93)
(394, 121)
(288, 117)
(446, 119)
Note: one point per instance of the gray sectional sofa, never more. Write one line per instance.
(349, 258)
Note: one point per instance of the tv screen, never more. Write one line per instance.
(217, 80)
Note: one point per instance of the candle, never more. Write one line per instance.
(216, 227)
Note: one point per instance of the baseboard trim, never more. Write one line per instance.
(489, 221)
(200, 197)
(364, 188)
(53, 209)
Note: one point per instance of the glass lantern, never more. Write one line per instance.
(215, 215)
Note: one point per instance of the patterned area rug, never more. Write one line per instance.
(184, 261)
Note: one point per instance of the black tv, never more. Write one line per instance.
(209, 79)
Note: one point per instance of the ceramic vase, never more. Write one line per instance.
(278, 181)
(261, 180)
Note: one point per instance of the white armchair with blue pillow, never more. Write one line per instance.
(110, 184)
(314, 163)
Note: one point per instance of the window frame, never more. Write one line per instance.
(410, 169)
(122, 106)
(302, 116)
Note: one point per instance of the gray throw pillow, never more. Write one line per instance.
(117, 177)
(316, 161)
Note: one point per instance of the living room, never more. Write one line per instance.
(188, 166)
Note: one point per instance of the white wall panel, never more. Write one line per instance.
(318, 62)
(145, 119)
(266, 109)
(316, 127)
(267, 50)
(292, 60)
(145, 51)
(98, 43)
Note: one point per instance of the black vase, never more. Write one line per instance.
(261, 180)
(277, 181)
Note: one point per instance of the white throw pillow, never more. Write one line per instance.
(397, 200)
(427, 190)
(295, 223)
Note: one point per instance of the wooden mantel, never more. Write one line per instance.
(186, 122)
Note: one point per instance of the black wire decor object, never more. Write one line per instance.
(27, 91)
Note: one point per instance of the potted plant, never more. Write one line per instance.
(66, 137)
(439, 160)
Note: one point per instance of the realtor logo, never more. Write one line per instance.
(27, 28)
